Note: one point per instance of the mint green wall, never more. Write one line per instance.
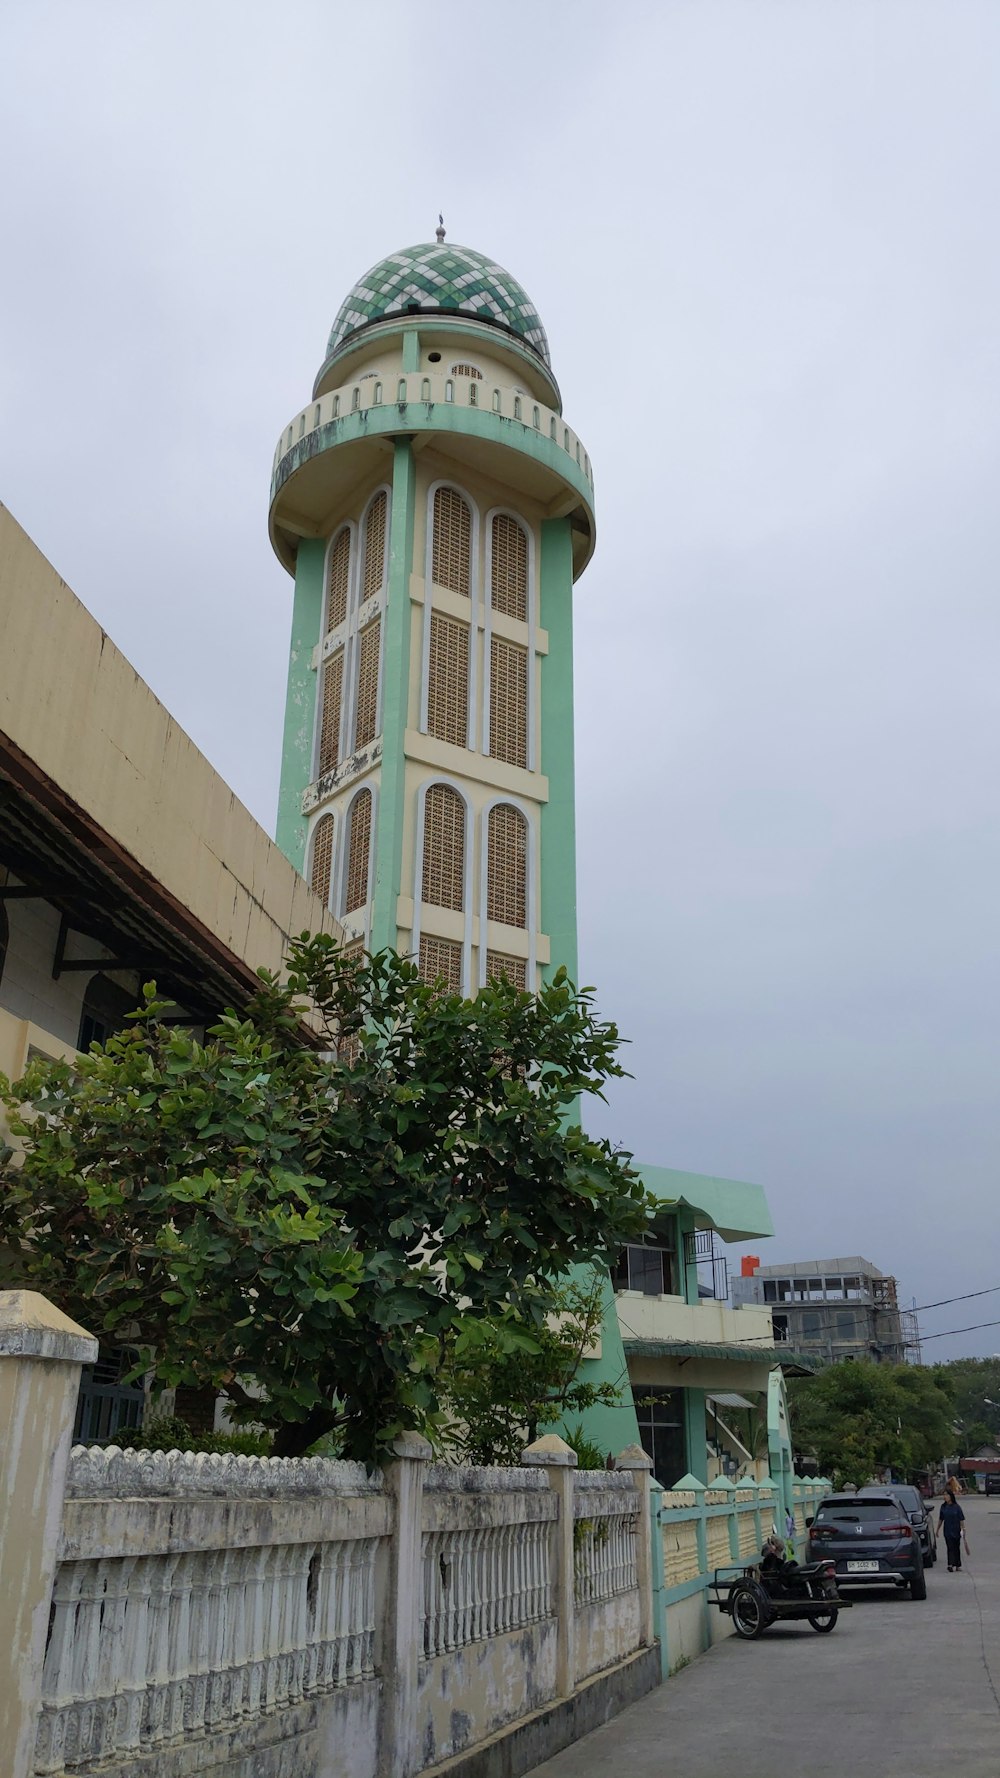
(696, 1433)
(558, 837)
(300, 701)
(395, 697)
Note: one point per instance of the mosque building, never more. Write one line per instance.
(435, 510)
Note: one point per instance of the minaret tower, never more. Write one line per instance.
(435, 510)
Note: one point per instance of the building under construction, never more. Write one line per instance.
(831, 1309)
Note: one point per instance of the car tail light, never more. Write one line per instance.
(896, 1530)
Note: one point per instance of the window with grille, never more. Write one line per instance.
(374, 568)
(508, 701)
(500, 968)
(358, 846)
(441, 960)
(509, 568)
(366, 716)
(507, 866)
(331, 695)
(338, 580)
(448, 680)
(452, 547)
(322, 859)
(443, 877)
(466, 370)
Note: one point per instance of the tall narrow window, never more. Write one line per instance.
(507, 866)
(443, 881)
(338, 580)
(500, 968)
(374, 569)
(508, 701)
(441, 959)
(356, 891)
(452, 551)
(366, 716)
(322, 859)
(448, 680)
(329, 722)
(509, 568)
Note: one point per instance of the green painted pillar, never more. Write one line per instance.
(300, 701)
(696, 1432)
(659, 1582)
(395, 699)
(558, 838)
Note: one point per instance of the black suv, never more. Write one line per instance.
(870, 1541)
(912, 1502)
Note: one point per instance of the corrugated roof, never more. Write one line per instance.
(792, 1363)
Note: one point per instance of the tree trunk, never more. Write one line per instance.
(294, 1438)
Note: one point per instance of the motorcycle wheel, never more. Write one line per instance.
(747, 1609)
(824, 1621)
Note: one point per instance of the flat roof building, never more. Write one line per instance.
(831, 1309)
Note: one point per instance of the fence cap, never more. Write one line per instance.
(688, 1484)
(633, 1457)
(32, 1327)
(552, 1450)
(412, 1445)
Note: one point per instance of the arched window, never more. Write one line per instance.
(104, 1011)
(509, 568)
(452, 547)
(366, 715)
(466, 370)
(359, 842)
(322, 858)
(507, 866)
(331, 696)
(338, 580)
(441, 960)
(373, 576)
(443, 874)
(4, 938)
(448, 680)
(500, 968)
(508, 701)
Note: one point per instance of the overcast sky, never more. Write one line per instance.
(763, 239)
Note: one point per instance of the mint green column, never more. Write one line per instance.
(395, 700)
(696, 1432)
(558, 838)
(300, 701)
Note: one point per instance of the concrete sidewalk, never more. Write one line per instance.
(900, 1689)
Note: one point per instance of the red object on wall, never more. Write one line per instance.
(749, 1264)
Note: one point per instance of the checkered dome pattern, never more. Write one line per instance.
(452, 279)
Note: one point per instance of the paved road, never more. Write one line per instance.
(900, 1689)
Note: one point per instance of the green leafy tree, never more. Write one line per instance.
(975, 1387)
(858, 1417)
(311, 1226)
(514, 1379)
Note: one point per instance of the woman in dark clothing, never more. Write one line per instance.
(951, 1520)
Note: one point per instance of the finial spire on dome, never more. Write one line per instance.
(439, 231)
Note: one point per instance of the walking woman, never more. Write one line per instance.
(951, 1520)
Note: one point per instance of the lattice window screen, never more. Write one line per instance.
(355, 947)
(330, 701)
(510, 969)
(443, 878)
(338, 580)
(374, 570)
(366, 716)
(441, 958)
(452, 549)
(509, 568)
(466, 370)
(356, 893)
(322, 859)
(448, 680)
(507, 866)
(508, 701)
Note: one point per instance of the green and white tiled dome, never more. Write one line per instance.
(439, 278)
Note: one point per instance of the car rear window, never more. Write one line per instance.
(911, 1499)
(865, 1512)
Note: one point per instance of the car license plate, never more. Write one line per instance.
(862, 1567)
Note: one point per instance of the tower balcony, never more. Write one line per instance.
(498, 429)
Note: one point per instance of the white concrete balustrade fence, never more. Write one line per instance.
(261, 1618)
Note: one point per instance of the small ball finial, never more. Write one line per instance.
(439, 231)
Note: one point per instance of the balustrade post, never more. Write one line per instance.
(554, 1455)
(399, 1755)
(634, 1459)
(41, 1355)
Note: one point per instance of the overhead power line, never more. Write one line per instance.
(957, 1330)
(942, 1303)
